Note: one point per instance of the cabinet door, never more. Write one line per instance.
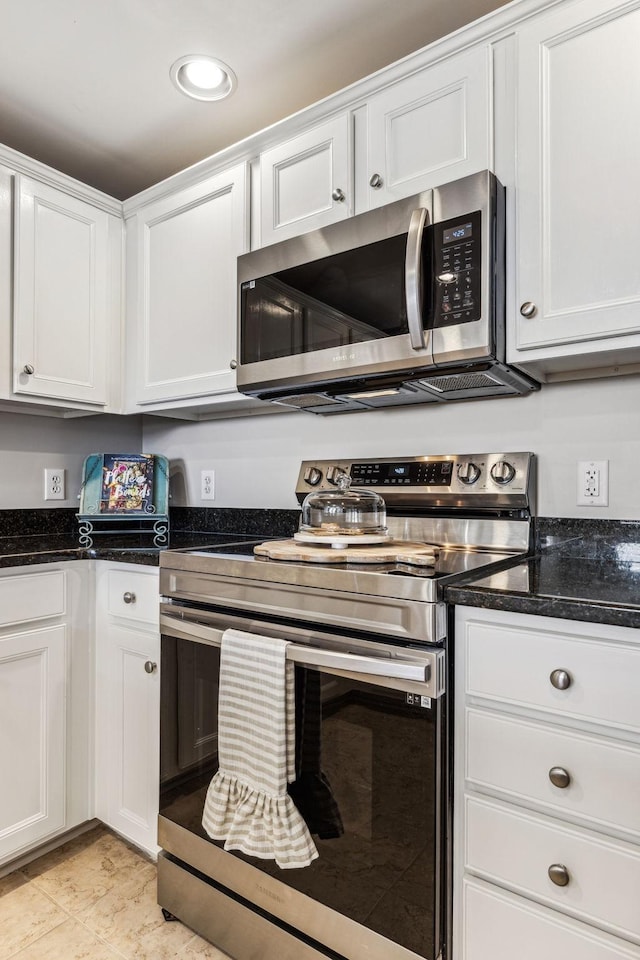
(433, 127)
(32, 737)
(578, 156)
(306, 183)
(61, 296)
(128, 713)
(185, 253)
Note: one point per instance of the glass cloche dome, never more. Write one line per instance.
(343, 513)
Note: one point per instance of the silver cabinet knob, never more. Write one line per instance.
(338, 195)
(560, 679)
(559, 874)
(28, 369)
(559, 777)
(375, 181)
(528, 309)
(150, 666)
(129, 597)
(233, 364)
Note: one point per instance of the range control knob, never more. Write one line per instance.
(312, 476)
(334, 474)
(503, 472)
(468, 472)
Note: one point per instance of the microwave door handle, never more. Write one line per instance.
(413, 277)
(308, 656)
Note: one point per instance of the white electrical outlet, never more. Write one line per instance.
(207, 485)
(593, 483)
(54, 483)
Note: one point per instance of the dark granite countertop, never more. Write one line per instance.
(30, 537)
(23, 551)
(594, 578)
(580, 570)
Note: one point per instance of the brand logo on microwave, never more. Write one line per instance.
(341, 357)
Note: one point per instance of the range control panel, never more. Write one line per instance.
(481, 480)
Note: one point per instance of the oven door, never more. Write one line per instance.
(369, 725)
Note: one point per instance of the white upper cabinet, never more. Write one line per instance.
(577, 296)
(63, 298)
(432, 127)
(182, 299)
(421, 131)
(306, 182)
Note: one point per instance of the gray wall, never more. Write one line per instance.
(28, 444)
(256, 459)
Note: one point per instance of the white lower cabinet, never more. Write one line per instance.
(547, 794)
(45, 700)
(501, 926)
(127, 701)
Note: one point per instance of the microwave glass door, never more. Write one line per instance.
(333, 302)
(368, 766)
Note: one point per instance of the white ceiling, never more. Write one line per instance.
(84, 84)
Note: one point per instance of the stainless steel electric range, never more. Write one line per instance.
(372, 652)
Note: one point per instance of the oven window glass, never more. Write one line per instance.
(367, 763)
(333, 302)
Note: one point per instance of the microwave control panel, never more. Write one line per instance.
(457, 270)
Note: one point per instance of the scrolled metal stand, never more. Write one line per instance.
(96, 526)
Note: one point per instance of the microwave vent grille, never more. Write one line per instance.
(459, 381)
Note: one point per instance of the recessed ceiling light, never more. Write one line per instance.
(203, 77)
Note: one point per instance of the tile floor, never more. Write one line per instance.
(92, 899)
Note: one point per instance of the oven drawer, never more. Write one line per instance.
(522, 851)
(554, 672)
(516, 757)
(32, 596)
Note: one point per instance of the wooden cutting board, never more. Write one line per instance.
(393, 551)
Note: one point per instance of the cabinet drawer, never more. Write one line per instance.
(133, 596)
(33, 596)
(516, 849)
(516, 756)
(501, 926)
(514, 665)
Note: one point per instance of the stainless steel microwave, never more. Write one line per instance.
(403, 304)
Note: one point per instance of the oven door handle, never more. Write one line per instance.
(413, 277)
(418, 670)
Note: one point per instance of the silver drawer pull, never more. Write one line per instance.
(560, 679)
(559, 777)
(338, 195)
(129, 597)
(28, 369)
(528, 309)
(559, 874)
(150, 666)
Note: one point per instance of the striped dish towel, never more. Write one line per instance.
(247, 803)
